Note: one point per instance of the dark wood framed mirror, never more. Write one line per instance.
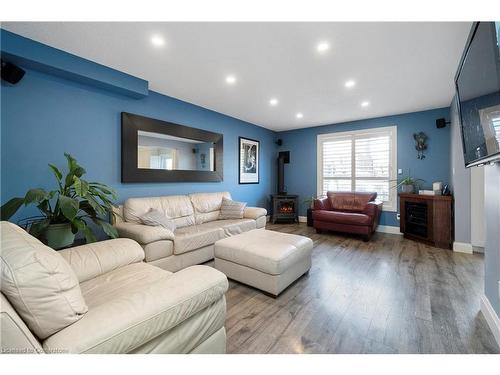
(160, 151)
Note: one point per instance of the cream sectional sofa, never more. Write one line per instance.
(198, 227)
(102, 298)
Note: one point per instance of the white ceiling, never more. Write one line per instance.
(398, 67)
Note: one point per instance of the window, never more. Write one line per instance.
(363, 160)
(496, 126)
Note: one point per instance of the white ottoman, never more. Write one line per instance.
(267, 260)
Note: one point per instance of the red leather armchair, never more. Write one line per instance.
(348, 212)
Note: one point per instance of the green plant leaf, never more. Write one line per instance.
(71, 162)
(81, 186)
(79, 171)
(104, 189)
(35, 196)
(108, 228)
(73, 170)
(87, 208)
(68, 206)
(10, 208)
(77, 225)
(89, 235)
(95, 205)
(56, 172)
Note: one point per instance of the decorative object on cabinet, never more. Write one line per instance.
(407, 184)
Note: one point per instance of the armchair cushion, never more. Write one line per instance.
(254, 212)
(143, 234)
(123, 322)
(347, 218)
(91, 260)
(38, 282)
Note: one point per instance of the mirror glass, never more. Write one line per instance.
(167, 152)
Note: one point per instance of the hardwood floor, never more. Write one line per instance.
(389, 295)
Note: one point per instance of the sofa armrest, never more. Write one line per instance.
(143, 234)
(321, 204)
(254, 212)
(94, 259)
(373, 209)
(124, 324)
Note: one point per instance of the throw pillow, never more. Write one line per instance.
(156, 218)
(231, 209)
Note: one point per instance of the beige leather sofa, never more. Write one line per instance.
(198, 227)
(102, 298)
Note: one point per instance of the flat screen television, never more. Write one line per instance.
(477, 84)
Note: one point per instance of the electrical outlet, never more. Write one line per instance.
(398, 217)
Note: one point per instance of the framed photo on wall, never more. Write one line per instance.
(249, 153)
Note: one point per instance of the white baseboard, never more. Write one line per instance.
(388, 229)
(491, 317)
(302, 219)
(462, 247)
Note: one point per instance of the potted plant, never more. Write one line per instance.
(68, 209)
(407, 184)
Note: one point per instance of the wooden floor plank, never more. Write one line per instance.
(389, 295)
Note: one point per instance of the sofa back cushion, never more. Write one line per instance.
(207, 205)
(38, 282)
(176, 207)
(350, 201)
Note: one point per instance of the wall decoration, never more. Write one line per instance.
(249, 150)
(420, 146)
(159, 151)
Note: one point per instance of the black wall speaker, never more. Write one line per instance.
(11, 73)
(441, 123)
(279, 142)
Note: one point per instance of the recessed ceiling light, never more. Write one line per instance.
(349, 84)
(273, 101)
(157, 41)
(299, 115)
(322, 47)
(365, 103)
(230, 79)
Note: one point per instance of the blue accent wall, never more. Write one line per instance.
(301, 174)
(34, 55)
(48, 113)
(44, 116)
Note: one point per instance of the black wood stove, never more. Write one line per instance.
(285, 207)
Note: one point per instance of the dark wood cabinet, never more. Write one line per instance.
(427, 218)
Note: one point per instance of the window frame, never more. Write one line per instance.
(390, 205)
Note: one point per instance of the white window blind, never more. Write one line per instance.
(496, 126)
(359, 161)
